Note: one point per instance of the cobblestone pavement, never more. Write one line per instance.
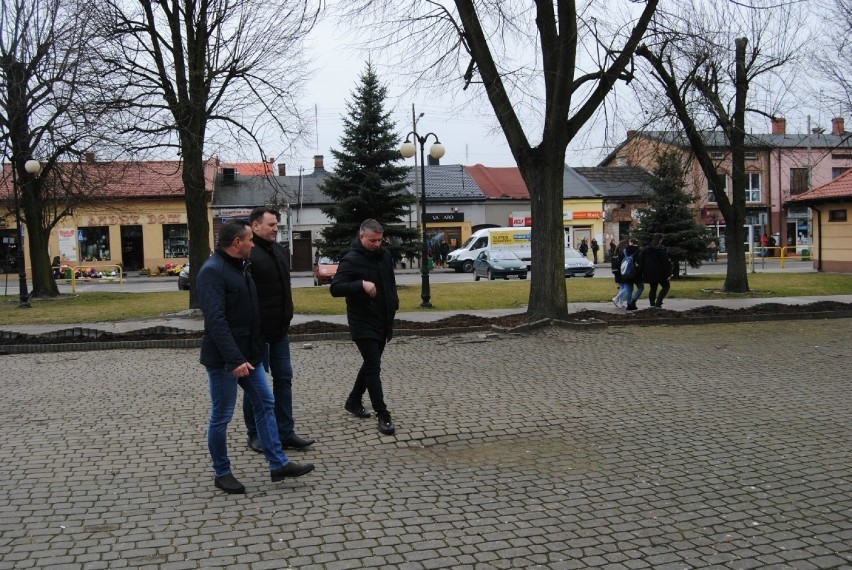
(716, 446)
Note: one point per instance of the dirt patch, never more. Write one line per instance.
(456, 322)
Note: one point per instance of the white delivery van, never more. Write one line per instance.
(517, 240)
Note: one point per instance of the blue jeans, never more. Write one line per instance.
(625, 293)
(369, 377)
(276, 360)
(223, 399)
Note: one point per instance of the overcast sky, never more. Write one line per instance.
(470, 135)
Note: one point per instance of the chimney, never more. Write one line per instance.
(837, 126)
(318, 162)
(432, 161)
(779, 126)
(282, 169)
(90, 157)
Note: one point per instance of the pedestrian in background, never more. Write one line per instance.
(712, 251)
(270, 268)
(231, 351)
(595, 249)
(615, 262)
(630, 266)
(365, 278)
(656, 270)
(583, 248)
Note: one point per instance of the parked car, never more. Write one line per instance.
(324, 270)
(183, 278)
(499, 263)
(577, 265)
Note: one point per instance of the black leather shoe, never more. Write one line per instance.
(229, 484)
(255, 445)
(386, 424)
(291, 470)
(356, 410)
(296, 442)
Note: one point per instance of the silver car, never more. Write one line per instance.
(577, 265)
(498, 263)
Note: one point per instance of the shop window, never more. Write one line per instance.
(94, 243)
(798, 180)
(175, 240)
(837, 215)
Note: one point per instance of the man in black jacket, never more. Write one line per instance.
(365, 277)
(231, 351)
(270, 267)
(656, 270)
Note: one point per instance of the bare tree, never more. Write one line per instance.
(833, 52)
(182, 68)
(545, 67)
(706, 71)
(49, 111)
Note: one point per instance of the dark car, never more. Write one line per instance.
(499, 263)
(183, 278)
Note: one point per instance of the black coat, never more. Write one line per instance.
(270, 268)
(656, 266)
(368, 317)
(228, 301)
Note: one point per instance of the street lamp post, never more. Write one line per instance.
(407, 150)
(33, 167)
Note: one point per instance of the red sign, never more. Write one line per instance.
(520, 222)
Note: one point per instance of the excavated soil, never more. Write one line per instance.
(455, 323)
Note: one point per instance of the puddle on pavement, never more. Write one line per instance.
(551, 455)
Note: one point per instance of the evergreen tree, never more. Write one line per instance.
(368, 182)
(670, 214)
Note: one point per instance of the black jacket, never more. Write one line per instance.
(228, 301)
(368, 317)
(270, 269)
(656, 266)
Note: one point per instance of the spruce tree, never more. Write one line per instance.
(368, 182)
(669, 212)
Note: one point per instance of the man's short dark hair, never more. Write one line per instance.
(371, 225)
(657, 239)
(258, 213)
(231, 231)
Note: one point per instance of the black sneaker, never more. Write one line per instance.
(356, 410)
(229, 484)
(386, 424)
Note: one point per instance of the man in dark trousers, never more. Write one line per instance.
(270, 267)
(231, 351)
(656, 270)
(365, 277)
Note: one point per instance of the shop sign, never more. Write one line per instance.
(234, 212)
(444, 217)
(570, 215)
(133, 220)
(520, 221)
(303, 234)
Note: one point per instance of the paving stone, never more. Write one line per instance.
(675, 463)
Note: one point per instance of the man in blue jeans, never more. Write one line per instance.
(231, 351)
(270, 268)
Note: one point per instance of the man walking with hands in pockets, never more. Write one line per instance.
(231, 351)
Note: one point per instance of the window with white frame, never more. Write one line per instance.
(753, 187)
(715, 187)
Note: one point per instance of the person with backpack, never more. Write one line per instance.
(595, 249)
(615, 262)
(583, 247)
(630, 268)
(656, 270)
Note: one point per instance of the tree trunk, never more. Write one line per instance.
(736, 277)
(41, 274)
(543, 176)
(196, 216)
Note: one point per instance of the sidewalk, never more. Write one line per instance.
(192, 321)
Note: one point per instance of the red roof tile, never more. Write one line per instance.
(840, 187)
(124, 179)
(500, 182)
